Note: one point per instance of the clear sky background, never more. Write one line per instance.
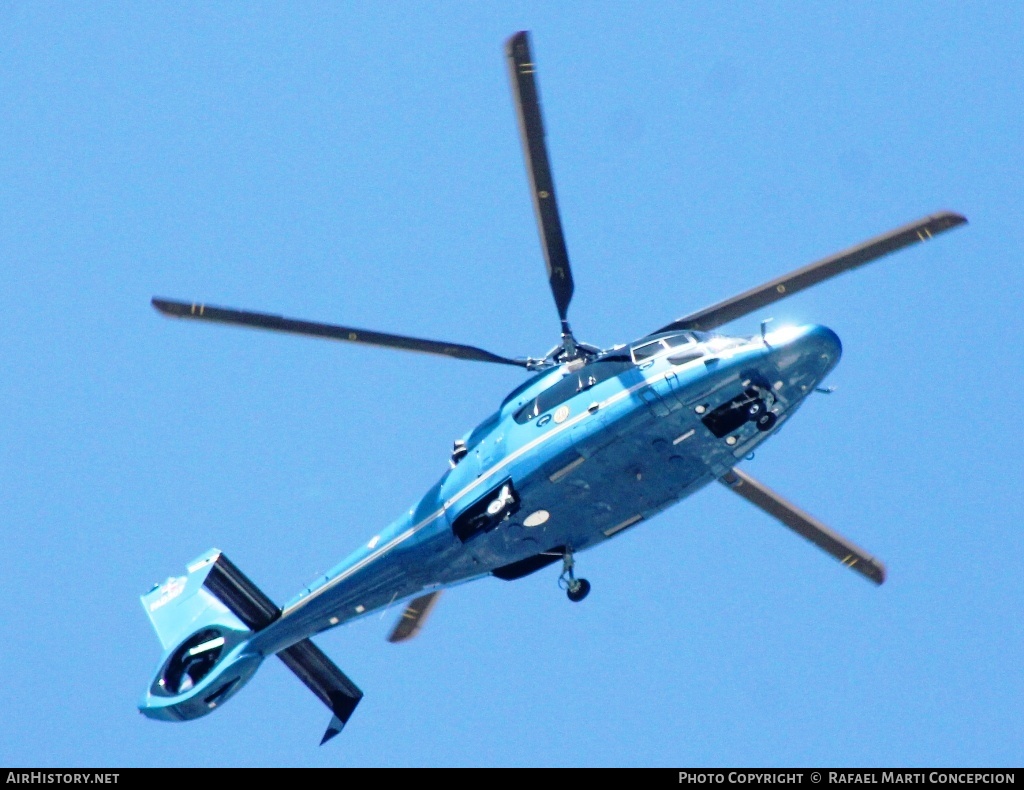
(360, 163)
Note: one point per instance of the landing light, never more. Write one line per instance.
(536, 518)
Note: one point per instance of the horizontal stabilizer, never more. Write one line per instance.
(412, 619)
(324, 679)
(758, 494)
(240, 595)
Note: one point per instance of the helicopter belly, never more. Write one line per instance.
(631, 457)
(611, 471)
(578, 501)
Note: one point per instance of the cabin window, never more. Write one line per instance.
(582, 379)
(675, 341)
(645, 351)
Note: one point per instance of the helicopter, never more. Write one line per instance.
(592, 444)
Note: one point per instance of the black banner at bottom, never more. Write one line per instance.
(863, 776)
(807, 777)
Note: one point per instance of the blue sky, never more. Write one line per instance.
(360, 163)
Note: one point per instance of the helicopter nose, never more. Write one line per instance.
(822, 341)
(810, 343)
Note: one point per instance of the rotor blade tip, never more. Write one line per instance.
(170, 308)
(520, 37)
(950, 219)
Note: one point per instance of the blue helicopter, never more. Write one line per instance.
(594, 443)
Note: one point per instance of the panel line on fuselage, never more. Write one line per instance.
(554, 432)
(361, 564)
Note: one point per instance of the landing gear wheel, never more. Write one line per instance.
(575, 589)
(767, 421)
(580, 591)
(756, 409)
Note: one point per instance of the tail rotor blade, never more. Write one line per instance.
(531, 129)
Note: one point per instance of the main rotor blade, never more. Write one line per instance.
(758, 494)
(531, 130)
(277, 323)
(756, 298)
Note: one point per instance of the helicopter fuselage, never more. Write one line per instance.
(577, 455)
(598, 441)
